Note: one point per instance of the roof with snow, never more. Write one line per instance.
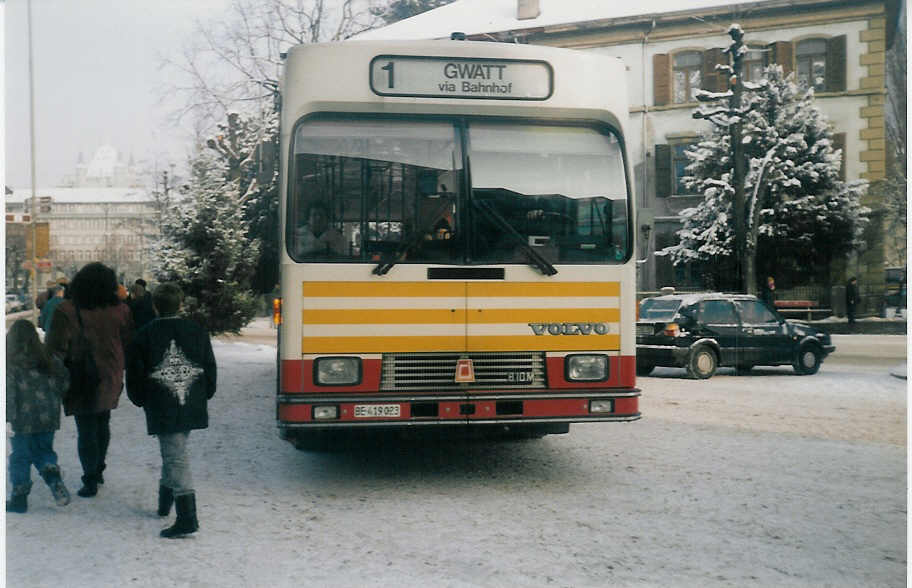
(488, 16)
(83, 195)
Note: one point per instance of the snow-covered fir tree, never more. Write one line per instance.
(249, 144)
(799, 214)
(205, 247)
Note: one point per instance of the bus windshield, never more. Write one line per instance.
(390, 191)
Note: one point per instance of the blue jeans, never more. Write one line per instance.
(28, 449)
(175, 463)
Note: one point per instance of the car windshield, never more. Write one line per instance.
(659, 309)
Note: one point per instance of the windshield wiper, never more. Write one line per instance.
(387, 262)
(536, 258)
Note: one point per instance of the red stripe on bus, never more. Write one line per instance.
(621, 374)
(294, 413)
(291, 374)
(624, 406)
(482, 410)
(298, 377)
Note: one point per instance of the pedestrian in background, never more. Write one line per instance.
(45, 294)
(36, 380)
(768, 293)
(47, 311)
(95, 309)
(140, 303)
(852, 298)
(171, 374)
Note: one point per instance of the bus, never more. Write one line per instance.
(456, 239)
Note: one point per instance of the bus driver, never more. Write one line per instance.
(317, 236)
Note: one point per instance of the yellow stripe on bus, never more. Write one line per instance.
(479, 343)
(544, 343)
(380, 344)
(449, 289)
(382, 289)
(548, 289)
(453, 316)
(544, 315)
(383, 316)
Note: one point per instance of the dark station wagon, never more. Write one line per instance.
(701, 332)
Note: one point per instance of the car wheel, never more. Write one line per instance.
(808, 360)
(702, 363)
(644, 369)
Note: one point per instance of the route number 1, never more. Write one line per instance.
(389, 68)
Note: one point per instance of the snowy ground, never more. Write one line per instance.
(762, 480)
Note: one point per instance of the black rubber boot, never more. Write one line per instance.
(18, 501)
(186, 523)
(165, 500)
(89, 487)
(51, 475)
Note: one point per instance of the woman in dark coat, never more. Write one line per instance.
(109, 327)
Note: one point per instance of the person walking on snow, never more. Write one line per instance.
(171, 374)
(36, 380)
(94, 309)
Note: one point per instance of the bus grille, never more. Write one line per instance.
(437, 371)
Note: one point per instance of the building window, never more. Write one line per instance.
(811, 62)
(670, 166)
(679, 162)
(686, 76)
(752, 65)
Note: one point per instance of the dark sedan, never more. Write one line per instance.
(701, 332)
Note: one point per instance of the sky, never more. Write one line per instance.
(96, 81)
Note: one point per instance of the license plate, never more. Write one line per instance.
(363, 411)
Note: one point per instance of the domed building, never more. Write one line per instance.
(101, 213)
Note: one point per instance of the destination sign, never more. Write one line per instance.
(452, 77)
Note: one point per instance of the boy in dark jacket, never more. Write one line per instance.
(171, 374)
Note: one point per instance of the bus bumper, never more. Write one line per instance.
(344, 412)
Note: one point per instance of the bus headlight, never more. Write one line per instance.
(587, 368)
(338, 371)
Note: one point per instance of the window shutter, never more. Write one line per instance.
(661, 77)
(839, 142)
(836, 64)
(663, 175)
(783, 53)
(714, 81)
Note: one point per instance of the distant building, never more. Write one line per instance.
(106, 170)
(104, 214)
(671, 49)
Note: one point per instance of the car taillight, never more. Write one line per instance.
(671, 330)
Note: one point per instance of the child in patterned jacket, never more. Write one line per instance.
(171, 374)
(36, 381)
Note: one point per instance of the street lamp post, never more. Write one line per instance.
(34, 207)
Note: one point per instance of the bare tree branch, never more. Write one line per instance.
(230, 61)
